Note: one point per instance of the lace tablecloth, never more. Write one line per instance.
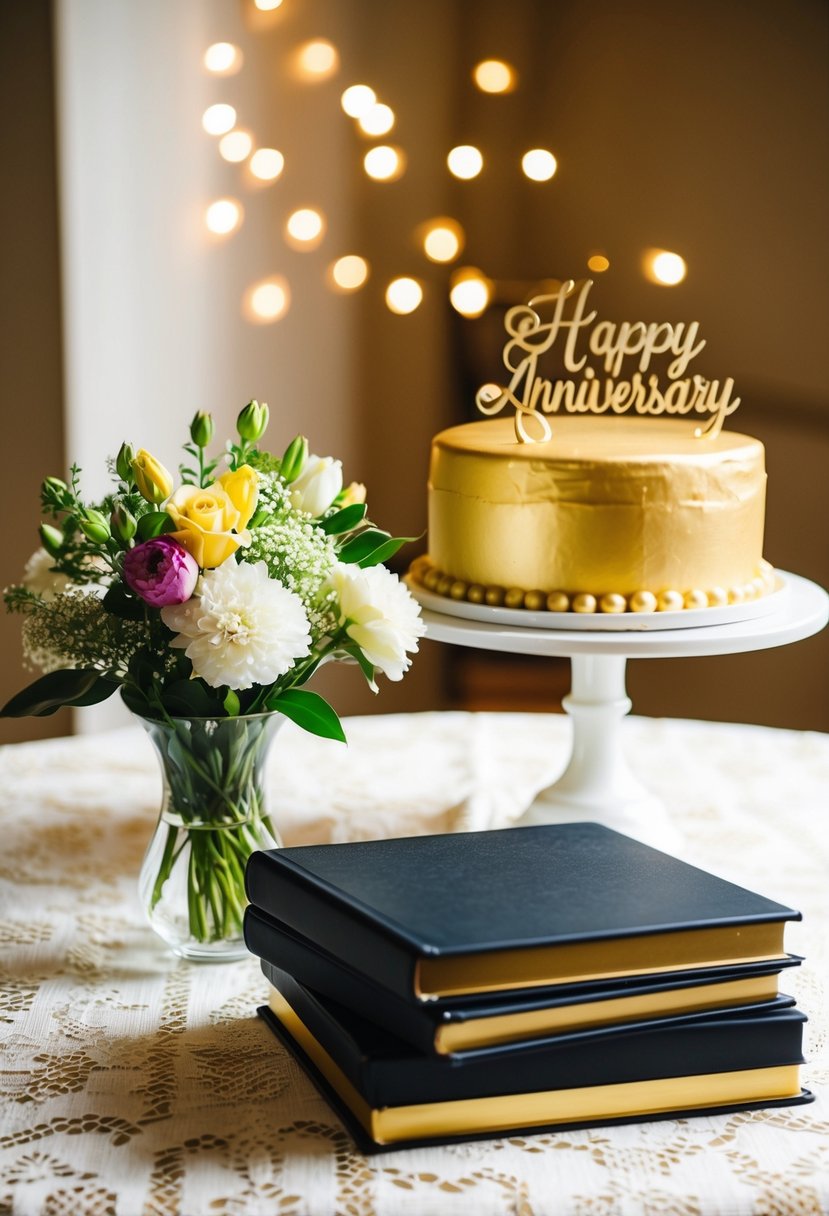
(135, 1084)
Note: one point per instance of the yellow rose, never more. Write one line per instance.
(153, 481)
(209, 524)
(242, 488)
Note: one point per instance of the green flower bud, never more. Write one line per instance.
(94, 526)
(123, 462)
(55, 484)
(293, 461)
(51, 539)
(253, 421)
(201, 429)
(123, 524)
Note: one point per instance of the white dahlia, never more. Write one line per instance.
(379, 614)
(241, 628)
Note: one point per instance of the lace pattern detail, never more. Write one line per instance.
(133, 1083)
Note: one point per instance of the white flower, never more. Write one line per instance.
(318, 485)
(379, 615)
(241, 628)
(41, 579)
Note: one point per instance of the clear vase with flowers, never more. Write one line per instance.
(210, 604)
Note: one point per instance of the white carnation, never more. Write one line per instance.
(241, 628)
(40, 577)
(318, 485)
(379, 615)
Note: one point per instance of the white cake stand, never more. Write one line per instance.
(597, 783)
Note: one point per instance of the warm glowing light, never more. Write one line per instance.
(348, 273)
(218, 119)
(224, 216)
(494, 76)
(305, 228)
(357, 100)
(223, 58)
(465, 161)
(384, 163)
(470, 292)
(598, 263)
(539, 164)
(267, 6)
(377, 120)
(442, 240)
(318, 59)
(403, 295)
(267, 300)
(664, 267)
(236, 146)
(267, 164)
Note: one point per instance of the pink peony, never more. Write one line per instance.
(161, 571)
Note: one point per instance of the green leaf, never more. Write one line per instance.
(98, 693)
(366, 667)
(309, 710)
(79, 686)
(308, 672)
(232, 704)
(153, 523)
(344, 520)
(135, 701)
(362, 545)
(383, 552)
(190, 699)
(120, 603)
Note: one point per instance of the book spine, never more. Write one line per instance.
(269, 942)
(281, 893)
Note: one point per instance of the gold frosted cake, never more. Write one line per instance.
(634, 498)
(611, 514)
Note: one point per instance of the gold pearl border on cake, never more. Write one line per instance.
(437, 581)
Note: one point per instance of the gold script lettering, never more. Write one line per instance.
(532, 396)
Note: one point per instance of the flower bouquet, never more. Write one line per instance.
(210, 605)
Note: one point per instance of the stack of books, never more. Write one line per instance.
(440, 988)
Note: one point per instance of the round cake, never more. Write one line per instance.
(611, 514)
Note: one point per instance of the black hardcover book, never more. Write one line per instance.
(473, 912)
(392, 1096)
(452, 1025)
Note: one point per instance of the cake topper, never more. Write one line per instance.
(533, 329)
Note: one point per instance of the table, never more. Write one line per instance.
(133, 1083)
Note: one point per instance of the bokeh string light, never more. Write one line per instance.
(305, 228)
(235, 146)
(223, 59)
(663, 267)
(465, 161)
(267, 164)
(348, 273)
(384, 163)
(403, 295)
(440, 240)
(495, 76)
(223, 216)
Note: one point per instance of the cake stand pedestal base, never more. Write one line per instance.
(597, 783)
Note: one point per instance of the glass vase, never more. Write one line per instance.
(213, 816)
